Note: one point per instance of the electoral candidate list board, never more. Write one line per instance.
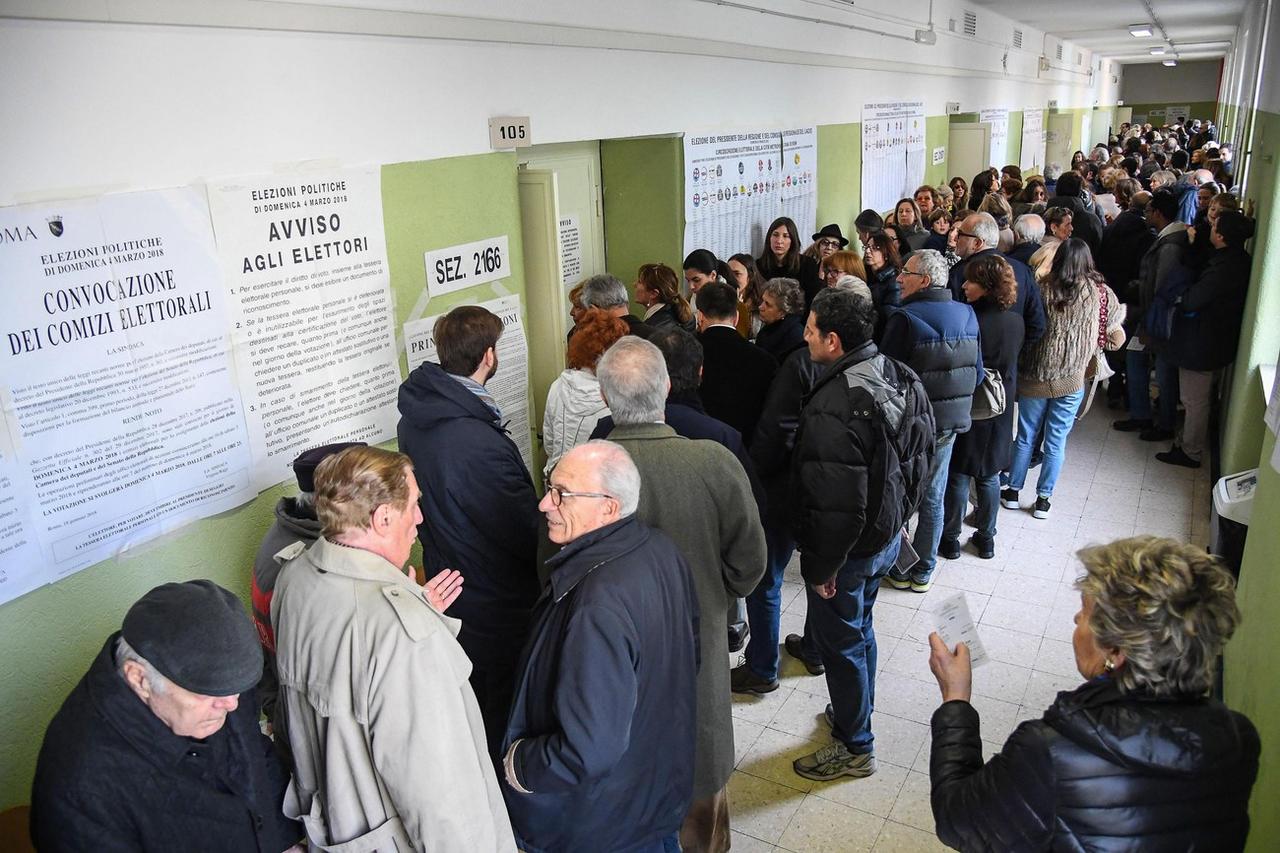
(121, 417)
(893, 142)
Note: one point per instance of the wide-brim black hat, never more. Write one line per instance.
(831, 231)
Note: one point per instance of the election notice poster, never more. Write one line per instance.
(1032, 159)
(893, 143)
(798, 192)
(510, 385)
(305, 271)
(999, 121)
(731, 185)
(121, 418)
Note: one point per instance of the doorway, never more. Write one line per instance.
(1057, 140)
(968, 148)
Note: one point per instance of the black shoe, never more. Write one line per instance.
(1036, 458)
(794, 644)
(949, 549)
(1178, 456)
(1156, 434)
(1041, 509)
(743, 680)
(1009, 499)
(986, 547)
(1131, 425)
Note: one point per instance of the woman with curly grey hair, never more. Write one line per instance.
(1138, 756)
(782, 311)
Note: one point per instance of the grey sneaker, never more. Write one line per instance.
(834, 761)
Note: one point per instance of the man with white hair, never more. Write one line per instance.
(979, 235)
(937, 337)
(609, 294)
(697, 493)
(1028, 231)
(598, 754)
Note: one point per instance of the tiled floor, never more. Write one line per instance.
(1111, 486)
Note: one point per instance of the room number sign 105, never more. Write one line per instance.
(509, 132)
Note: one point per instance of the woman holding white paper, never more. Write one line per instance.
(1137, 757)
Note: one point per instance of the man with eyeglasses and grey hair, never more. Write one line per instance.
(697, 493)
(1028, 231)
(979, 235)
(598, 752)
(609, 294)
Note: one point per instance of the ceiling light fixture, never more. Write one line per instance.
(1157, 51)
(1140, 31)
(1170, 63)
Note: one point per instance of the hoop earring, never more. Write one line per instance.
(1109, 665)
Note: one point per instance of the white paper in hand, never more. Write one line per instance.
(955, 625)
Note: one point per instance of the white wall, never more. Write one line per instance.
(113, 102)
(1153, 83)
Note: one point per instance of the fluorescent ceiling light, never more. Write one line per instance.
(1170, 62)
(1140, 31)
(1157, 51)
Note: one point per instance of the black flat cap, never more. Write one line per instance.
(198, 636)
(304, 467)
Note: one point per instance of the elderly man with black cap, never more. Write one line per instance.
(295, 522)
(158, 746)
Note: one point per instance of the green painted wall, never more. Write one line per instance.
(936, 134)
(51, 635)
(839, 176)
(643, 203)
(1260, 336)
(1199, 109)
(1015, 138)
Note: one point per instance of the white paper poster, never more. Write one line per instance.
(798, 191)
(731, 190)
(893, 152)
(510, 385)
(999, 121)
(1176, 112)
(305, 265)
(570, 251)
(121, 418)
(1032, 158)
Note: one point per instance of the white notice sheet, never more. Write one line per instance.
(510, 385)
(305, 264)
(120, 416)
(893, 135)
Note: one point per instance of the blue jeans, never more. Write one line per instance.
(1138, 386)
(843, 634)
(1057, 415)
(957, 504)
(929, 527)
(764, 606)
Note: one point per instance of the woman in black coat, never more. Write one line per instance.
(883, 263)
(1135, 758)
(783, 257)
(782, 311)
(983, 452)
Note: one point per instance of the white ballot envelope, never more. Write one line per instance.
(955, 625)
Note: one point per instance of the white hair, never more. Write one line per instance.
(633, 379)
(853, 284)
(932, 264)
(1052, 171)
(986, 229)
(1029, 228)
(618, 474)
(125, 653)
(603, 291)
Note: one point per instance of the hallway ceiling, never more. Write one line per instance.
(1197, 29)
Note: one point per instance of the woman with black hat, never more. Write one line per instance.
(826, 243)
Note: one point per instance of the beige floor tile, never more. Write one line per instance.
(900, 696)
(1099, 531)
(912, 807)
(1009, 646)
(1043, 688)
(1027, 589)
(900, 838)
(901, 597)
(823, 826)
(790, 592)
(744, 737)
(760, 709)
(966, 576)
(1016, 615)
(998, 718)
(875, 794)
(771, 756)
(891, 619)
(897, 739)
(1034, 564)
(760, 808)
(1004, 681)
(742, 843)
(1056, 657)
(910, 658)
(801, 716)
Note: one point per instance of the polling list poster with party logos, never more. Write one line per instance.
(892, 152)
(737, 183)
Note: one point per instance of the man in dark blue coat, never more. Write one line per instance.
(473, 481)
(937, 337)
(598, 752)
(979, 235)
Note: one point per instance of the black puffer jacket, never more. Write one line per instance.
(1206, 328)
(1101, 771)
(861, 460)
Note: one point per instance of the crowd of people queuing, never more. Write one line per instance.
(555, 678)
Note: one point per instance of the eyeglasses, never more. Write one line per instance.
(967, 234)
(827, 272)
(912, 272)
(829, 244)
(558, 495)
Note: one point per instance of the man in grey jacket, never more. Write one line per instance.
(697, 493)
(388, 742)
